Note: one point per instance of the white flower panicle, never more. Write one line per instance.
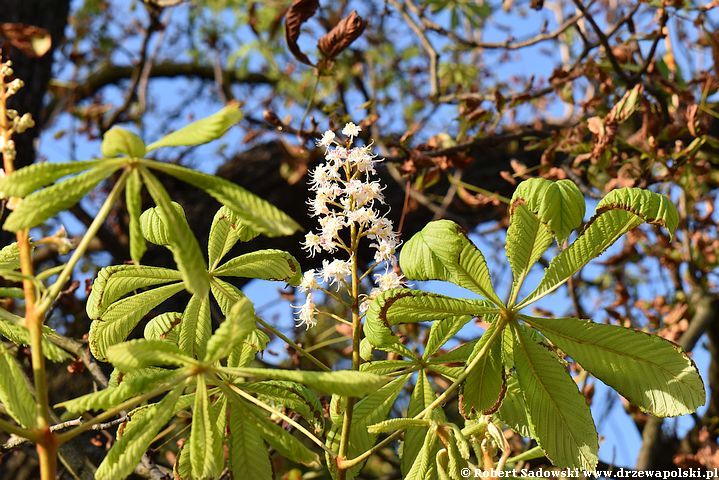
(346, 198)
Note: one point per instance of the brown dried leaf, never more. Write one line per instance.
(298, 13)
(32, 41)
(342, 35)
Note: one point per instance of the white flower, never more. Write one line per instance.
(337, 154)
(388, 281)
(307, 313)
(331, 226)
(385, 250)
(362, 216)
(309, 282)
(324, 175)
(318, 206)
(361, 159)
(382, 229)
(351, 130)
(327, 138)
(312, 243)
(364, 192)
(335, 271)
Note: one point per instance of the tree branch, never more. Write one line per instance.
(706, 311)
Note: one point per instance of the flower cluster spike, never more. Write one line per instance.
(15, 123)
(346, 197)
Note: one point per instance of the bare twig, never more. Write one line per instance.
(15, 441)
(131, 92)
(509, 44)
(426, 45)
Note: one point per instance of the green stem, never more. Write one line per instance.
(326, 343)
(356, 360)
(55, 289)
(13, 429)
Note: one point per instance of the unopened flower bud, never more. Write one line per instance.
(14, 86)
(9, 150)
(5, 69)
(25, 122)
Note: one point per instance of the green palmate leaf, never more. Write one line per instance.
(202, 435)
(116, 281)
(259, 215)
(43, 204)
(141, 353)
(281, 440)
(527, 240)
(218, 414)
(485, 386)
(26, 180)
(384, 367)
(227, 229)
(233, 331)
(12, 292)
(196, 326)
(120, 142)
(441, 332)
(116, 322)
(422, 396)
(225, 294)
(348, 383)
(442, 251)
(559, 417)
(389, 426)
(403, 305)
(458, 451)
(291, 395)
(513, 410)
(248, 452)
(649, 371)
(618, 212)
(133, 200)
(183, 468)
(265, 265)
(182, 242)
(450, 373)
(126, 453)
(424, 462)
(371, 410)
(10, 257)
(202, 131)
(531, 454)
(243, 354)
(132, 384)
(15, 394)
(164, 327)
(457, 355)
(557, 204)
(13, 328)
(441, 462)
